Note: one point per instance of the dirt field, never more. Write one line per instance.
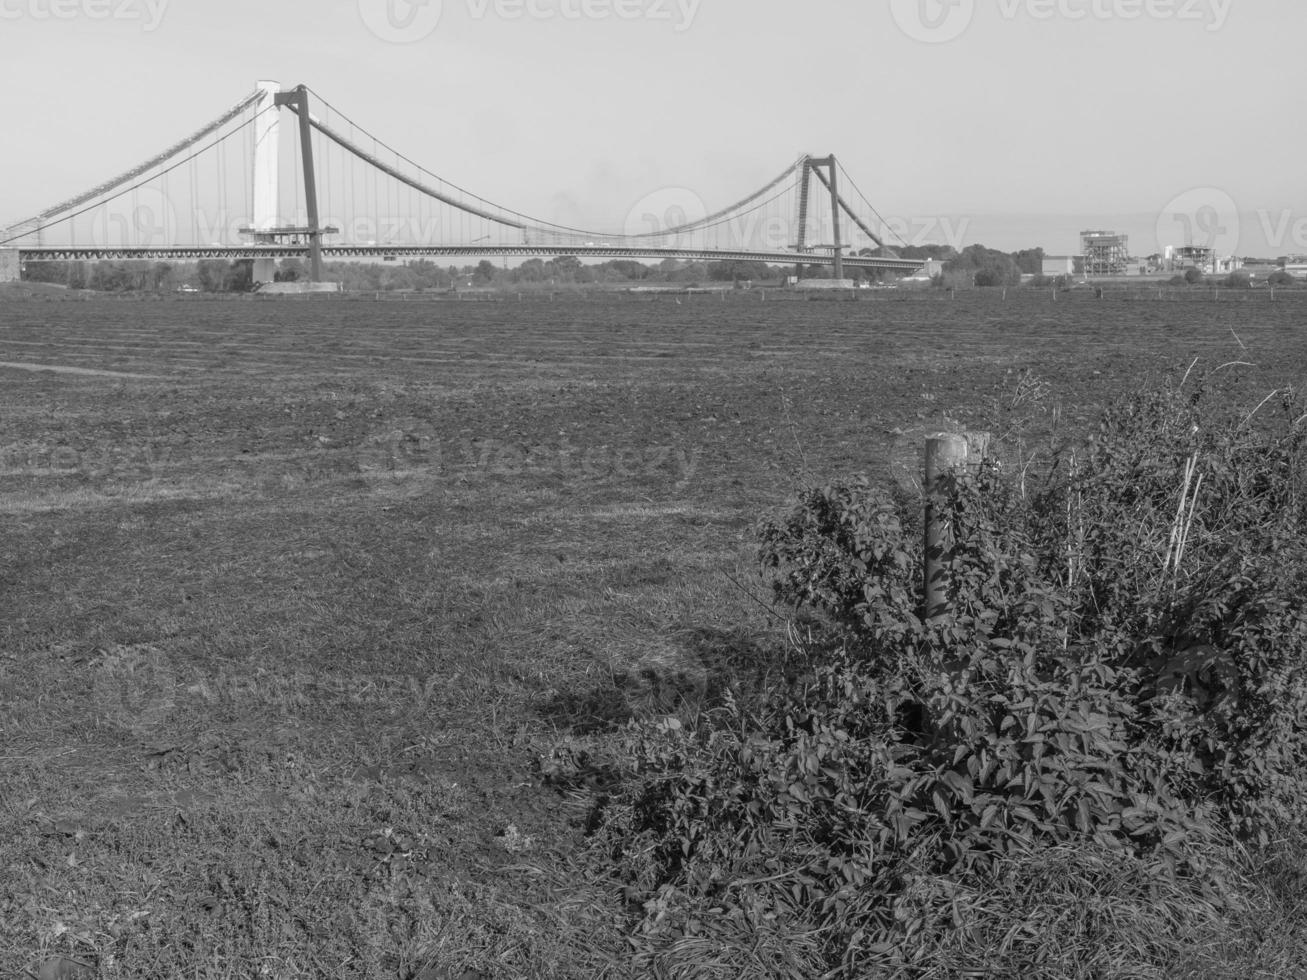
(298, 598)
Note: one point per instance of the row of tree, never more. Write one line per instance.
(216, 276)
(974, 264)
(209, 275)
(990, 267)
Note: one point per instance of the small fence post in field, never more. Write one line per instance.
(946, 452)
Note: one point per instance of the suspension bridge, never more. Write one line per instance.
(242, 187)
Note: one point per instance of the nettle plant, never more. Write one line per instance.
(1124, 668)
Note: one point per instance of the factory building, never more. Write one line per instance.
(1105, 253)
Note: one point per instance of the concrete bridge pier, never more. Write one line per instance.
(267, 203)
(10, 269)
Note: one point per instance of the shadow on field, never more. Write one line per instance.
(693, 670)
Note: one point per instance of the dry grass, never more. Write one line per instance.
(288, 631)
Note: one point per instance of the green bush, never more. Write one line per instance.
(991, 277)
(1120, 685)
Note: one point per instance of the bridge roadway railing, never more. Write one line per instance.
(53, 253)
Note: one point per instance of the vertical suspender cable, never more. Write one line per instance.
(296, 157)
(219, 157)
(246, 184)
(323, 153)
(221, 219)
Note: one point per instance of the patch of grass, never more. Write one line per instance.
(314, 644)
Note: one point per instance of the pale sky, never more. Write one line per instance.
(1012, 123)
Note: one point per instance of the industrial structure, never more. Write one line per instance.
(1105, 253)
(1180, 258)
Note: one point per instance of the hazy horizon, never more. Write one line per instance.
(1015, 125)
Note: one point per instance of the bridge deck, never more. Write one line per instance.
(38, 253)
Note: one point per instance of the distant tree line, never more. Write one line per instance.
(221, 276)
(207, 275)
(973, 265)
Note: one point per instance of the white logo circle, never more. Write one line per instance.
(656, 216)
(1204, 217)
(400, 21)
(933, 21)
(144, 216)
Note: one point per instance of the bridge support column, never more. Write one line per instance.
(298, 99)
(267, 171)
(815, 165)
(10, 269)
(805, 182)
(835, 221)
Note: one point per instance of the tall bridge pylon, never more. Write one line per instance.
(813, 166)
(266, 176)
(266, 227)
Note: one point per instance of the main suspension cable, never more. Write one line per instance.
(134, 187)
(885, 224)
(150, 164)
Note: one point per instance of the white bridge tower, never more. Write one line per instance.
(267, 171)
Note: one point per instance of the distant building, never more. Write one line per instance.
(1058, 265)
(1105, 253)
(1181, 258)
(929, 272)
(1260, 268)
